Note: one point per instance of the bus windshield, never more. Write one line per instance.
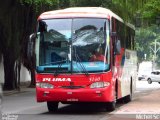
(79, 45)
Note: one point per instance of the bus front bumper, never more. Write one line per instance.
(75, 95)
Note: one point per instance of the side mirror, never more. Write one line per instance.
(30, 46)
(118, 47)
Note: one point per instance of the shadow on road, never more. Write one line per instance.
(83, 108)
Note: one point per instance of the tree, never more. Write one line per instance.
(144, 39)
(17, 22)
(150, 16)
(128, 9)
(151, 9)
(90, 3)
(8, 40)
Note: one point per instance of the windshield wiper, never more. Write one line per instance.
(80, 63)
(57, 70)
(82, 66)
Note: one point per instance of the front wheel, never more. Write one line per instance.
(111, 106)
(149, 81)
(52, 106)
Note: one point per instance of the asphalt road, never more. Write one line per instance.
(23, 106)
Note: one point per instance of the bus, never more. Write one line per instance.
(84, 55)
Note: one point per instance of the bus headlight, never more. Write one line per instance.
(99, 84)
(44, 85)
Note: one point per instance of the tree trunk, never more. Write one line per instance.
(19, 76)
(32, 84)
(32, 70)
(9, 83)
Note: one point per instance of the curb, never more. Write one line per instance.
(24, 87)
(7, 93)
(22, 90)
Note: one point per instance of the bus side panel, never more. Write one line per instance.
(129, 72)
(124, 64)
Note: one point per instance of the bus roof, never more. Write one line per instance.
(96, 12)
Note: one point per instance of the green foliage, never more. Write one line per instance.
(145, 40)
(126, 9)
(129, 9)
(40, 5)
(90, 3)
(63, 3)
(38, 2)
(151, 9)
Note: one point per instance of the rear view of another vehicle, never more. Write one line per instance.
(154, 77)
(145, 69)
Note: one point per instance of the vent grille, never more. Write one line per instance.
(72, 87)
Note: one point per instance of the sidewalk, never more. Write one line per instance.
(23, 88)
(144, 104)
(146, 100)
(144, 107)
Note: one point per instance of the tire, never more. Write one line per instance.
(149, 81)
(111, 106)
(52, 106)
(159, 82)
(127, 98)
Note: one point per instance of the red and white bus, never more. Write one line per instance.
(84, 54)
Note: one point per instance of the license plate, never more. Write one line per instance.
(72, 100)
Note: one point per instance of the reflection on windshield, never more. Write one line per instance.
(73, 45)
(87, 37)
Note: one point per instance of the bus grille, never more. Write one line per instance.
(72, 87)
